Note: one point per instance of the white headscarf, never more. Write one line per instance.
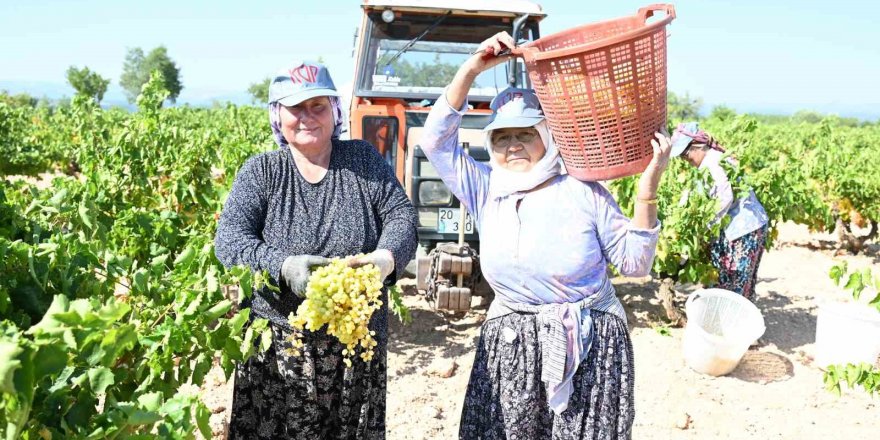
(504, 182)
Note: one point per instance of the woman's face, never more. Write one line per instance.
(309, 123)
(694, 154)
(517, 149)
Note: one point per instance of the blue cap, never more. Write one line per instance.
(303, 80)
(680, 141)
(514, 108)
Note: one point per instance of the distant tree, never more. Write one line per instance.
(137, 69)
(434, 74)
(723, 113)
(807, 116)
(63, 102)
(133, 74)
(87, 83)
(44, 103)
(682, 108)
(17, 100)
(260, 91)
(851, 122)
(770, 118)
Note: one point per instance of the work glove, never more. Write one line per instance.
(382, 258)
(296, 270)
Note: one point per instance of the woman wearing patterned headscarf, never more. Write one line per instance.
(289, 210)
(737, 252)
(554, 359)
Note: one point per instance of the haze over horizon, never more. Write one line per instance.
(749, 55)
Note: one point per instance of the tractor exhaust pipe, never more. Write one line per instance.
(511, 66)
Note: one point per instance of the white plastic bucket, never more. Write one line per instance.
(721, 325)
(846, 333)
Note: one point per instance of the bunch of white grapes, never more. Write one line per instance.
(343, 298)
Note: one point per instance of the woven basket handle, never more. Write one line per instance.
(648, 11)
(528, 53)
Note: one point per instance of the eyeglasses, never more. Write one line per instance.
(504, 140)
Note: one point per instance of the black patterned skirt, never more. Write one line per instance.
(737, 261)
(278, 396)
(506, 399)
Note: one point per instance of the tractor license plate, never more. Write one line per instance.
(449, 221)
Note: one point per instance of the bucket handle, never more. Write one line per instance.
(691, 298)
(648, 11)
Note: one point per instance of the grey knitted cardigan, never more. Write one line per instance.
(272, 212)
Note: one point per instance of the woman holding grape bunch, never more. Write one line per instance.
(554, 359)
(289, 211)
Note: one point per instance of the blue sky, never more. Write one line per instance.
(775, 56)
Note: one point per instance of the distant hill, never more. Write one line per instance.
(115, 97)
(865, 112)
(207, 97)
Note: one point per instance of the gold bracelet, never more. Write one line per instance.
(648, 201)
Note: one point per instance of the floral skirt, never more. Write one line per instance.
(278, 396)
(506, 399)
(737, 261)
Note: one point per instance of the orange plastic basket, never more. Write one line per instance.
(602, 87)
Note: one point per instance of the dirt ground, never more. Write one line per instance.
(775, 392)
